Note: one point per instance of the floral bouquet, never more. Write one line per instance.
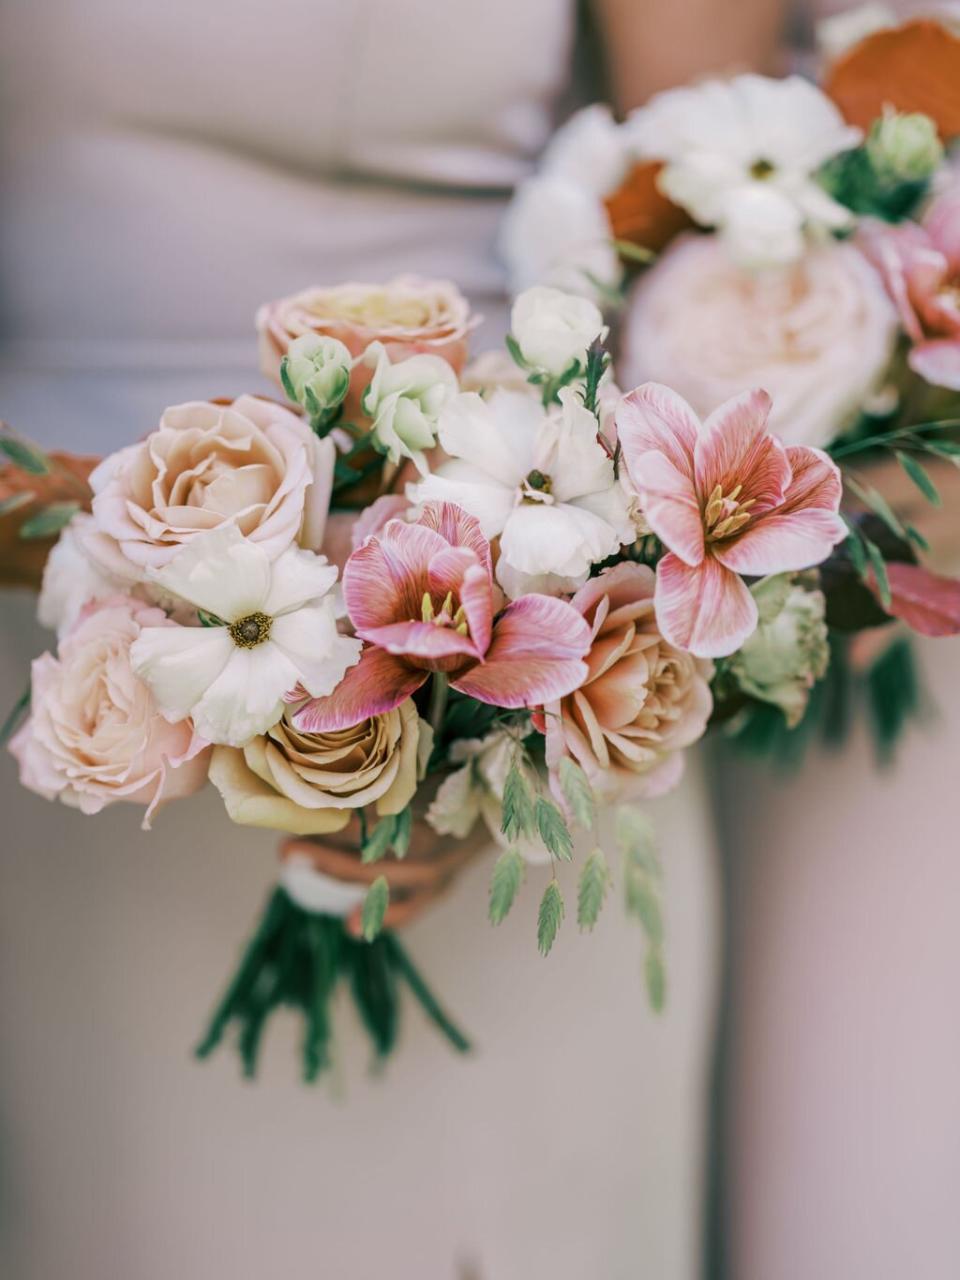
(425, 607)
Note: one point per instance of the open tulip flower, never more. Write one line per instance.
(422, 596)
(726, 498)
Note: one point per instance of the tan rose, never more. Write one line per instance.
(251, 463)
(408, 315)
(642, 702)
(310, 783)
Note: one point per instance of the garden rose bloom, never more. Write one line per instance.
(643, 700)
(920, 265)
(726, 498)
(818, 336)
(408, 315)
(310, 783)
(422, 596)
(251, 464)
(95, 734)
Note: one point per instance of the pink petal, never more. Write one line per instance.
(654, 418)
(735, 448)
(377, 684)
(446, 569)
(706, 610)
(384, 580)
(421, 640)
(535, 656)
(927, 602)
(670, 504)
(816, 481)
(457, 527)
(894, 252)
(942, 224)
(780, 543)
(476, 597)
(938, 362)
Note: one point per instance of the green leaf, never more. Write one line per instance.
(594, 879)
(948, 449)
(919, 477)
(16, 715)
(917, 537)
(402, 830)
(50, 520)
(518, 814)
(504, 884)
(549, 917)
(877, 503)
(15, 501)
(634, 252)
(654, 971)
(880, 571)
(378, 842)
(856, 552)
(513, 346)
(553, 829)
(374, 908)
(25, 456)
(577, 792)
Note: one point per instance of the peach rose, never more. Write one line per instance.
(642, 702)
(818, 335)
(408, 315)
(95, 735)
(251, 463)
(310, 783)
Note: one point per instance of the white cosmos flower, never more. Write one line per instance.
(539, 480)
(279, 630)
(742, 155)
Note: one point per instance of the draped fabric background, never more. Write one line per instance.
(166, 168)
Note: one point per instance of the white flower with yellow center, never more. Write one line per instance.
(275, 627)
(539, 480)
(742, 155)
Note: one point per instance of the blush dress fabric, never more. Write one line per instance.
(166, 168)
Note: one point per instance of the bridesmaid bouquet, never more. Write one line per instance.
(422, 606)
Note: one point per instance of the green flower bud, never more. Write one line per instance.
(788, 652)
(315, 374)
(904, 148)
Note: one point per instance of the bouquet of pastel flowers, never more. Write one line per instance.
(421, 608)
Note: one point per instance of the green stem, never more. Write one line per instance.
(439, 692)
(875, 442)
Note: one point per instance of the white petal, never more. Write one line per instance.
(456, 805)
(180, 663)
(221, 572)
(486, 500)
(297, 576)
(495, 436)
(309, 639)
(246, 698)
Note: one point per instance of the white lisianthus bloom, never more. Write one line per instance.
(539, 480)
(475, 790)
(742, 155)
(315, 373)
(404, 400)
(279, 629)
(553, 329)
(556, 231)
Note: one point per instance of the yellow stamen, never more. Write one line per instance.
(426, 607)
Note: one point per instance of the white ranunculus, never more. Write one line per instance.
(316, 373)
(556, 231)
(553, 329)
(404, 401)
(744, 153)
(279, 630)
(539, 480)
(818, 335)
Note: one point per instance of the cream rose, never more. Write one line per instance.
(818, 335)
(410, 316)
(643, 701)
(95, 735)
(310, 783)
(252, 464)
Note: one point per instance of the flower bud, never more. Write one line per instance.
(904, 148)
(315, 373)
(788, 652)
(552, 329)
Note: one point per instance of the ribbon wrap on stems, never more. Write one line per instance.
(309, 939)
